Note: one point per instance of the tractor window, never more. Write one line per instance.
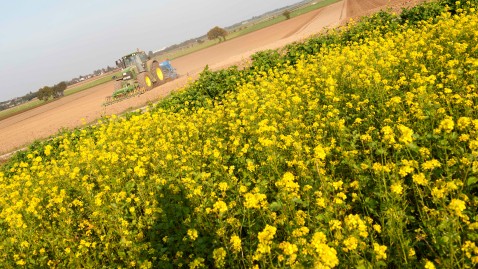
(128, 61)
(138, 58)
(143, 57)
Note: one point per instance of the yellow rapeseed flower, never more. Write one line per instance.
(219, 255)
(380, 251)
(220, 207)
(457, 206)
(193, 234)
(350, 243)
(420, 179)
(447, 125)
(236, 243)
(396, 188)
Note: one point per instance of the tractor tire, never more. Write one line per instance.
(145, 81)
(158, 73)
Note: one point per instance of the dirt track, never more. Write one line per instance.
(68, 112)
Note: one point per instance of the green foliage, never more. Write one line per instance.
(310, 47)
(59, 89)
(422, 12)
(56, 91)
(45, 93)
(286, 14)
(265, 60)
(211, 85)
(365, 26)
(217, 32)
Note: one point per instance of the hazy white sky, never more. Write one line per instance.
(48, 41)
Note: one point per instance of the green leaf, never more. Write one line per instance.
(363, 264)
(275, 206)
(471, 180)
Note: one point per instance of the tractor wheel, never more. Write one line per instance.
(145, 81)
(157, 72)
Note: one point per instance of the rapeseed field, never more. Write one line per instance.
(362, 155)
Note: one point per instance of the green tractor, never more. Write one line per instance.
(140, 74)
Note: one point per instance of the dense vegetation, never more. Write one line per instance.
(355, 149)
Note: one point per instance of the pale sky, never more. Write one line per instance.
(43, 42)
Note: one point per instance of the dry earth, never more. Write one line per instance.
(86, 106)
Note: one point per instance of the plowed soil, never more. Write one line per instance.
(86, 106)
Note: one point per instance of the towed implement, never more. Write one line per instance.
(140, 74)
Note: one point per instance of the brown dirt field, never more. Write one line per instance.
(358, 8)
(86, 106)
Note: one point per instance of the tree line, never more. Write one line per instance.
(17, 101)
(56, 91)
(45, 93)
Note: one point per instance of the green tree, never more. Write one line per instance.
(58, 89)
(217, 32)
(45, 93)
(286, 14)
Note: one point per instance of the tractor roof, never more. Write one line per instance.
(134, 53)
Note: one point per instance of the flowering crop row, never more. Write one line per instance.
(363, 155)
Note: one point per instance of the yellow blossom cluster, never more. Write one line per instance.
(362, 155)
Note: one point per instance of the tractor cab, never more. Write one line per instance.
(135, 59)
